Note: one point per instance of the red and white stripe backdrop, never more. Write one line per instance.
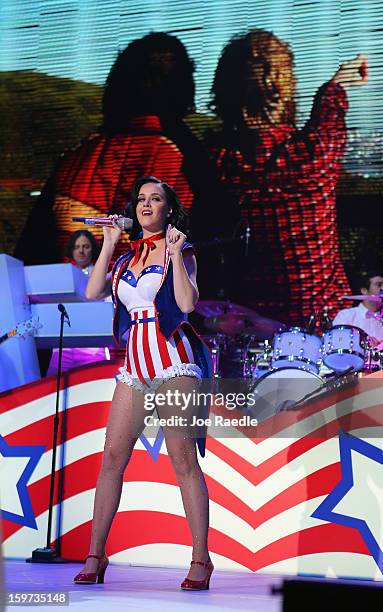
(263, 490)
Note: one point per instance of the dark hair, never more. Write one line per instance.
(362, 280)
(153, 75)
(72, 242)
(178, 216)
(252, 73)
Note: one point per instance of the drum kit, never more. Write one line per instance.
(282, 364)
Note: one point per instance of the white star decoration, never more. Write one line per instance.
(365, 499)
(17, 464)
(11, 470)
(357, 500)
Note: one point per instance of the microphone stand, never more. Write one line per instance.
(50, 554)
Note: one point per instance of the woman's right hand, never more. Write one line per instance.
(112, 234)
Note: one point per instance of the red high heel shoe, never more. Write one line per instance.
(199, 585)
(93, 577)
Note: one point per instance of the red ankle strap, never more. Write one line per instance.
(201, 563)
(95, 556)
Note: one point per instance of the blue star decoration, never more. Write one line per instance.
(27, 518)
(357, 500)
(155, 448)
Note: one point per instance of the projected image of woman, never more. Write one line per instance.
(148, 93)
(284, 178)
(150, 84)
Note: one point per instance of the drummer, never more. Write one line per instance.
(363, 315)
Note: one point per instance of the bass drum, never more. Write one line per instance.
(281, 389)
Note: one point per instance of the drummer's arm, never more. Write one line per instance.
(373, 342)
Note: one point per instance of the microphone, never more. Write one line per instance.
(63, 311)
(124, 223)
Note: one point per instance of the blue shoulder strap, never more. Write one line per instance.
(120, 260)
(187, 245)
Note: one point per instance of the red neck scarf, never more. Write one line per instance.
(144, 246)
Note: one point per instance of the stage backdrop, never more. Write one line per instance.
(56, 57)
(304, 495)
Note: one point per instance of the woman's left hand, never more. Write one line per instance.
(174, 240)
(353, 72)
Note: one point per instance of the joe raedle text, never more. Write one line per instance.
(215, 420)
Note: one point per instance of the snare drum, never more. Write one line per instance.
(344, 346)
(295, 348)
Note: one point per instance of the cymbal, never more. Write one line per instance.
(368, 298)
(269, 327)
(233, 324)
(214, 308)
(230, 324)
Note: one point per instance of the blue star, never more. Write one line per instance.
(153, 449)
(359, 493)
(27, 518)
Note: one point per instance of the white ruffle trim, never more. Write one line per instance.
(180, 369)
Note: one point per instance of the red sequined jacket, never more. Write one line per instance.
(285, 186)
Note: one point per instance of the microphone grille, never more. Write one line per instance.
(125, 223)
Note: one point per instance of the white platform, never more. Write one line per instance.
(145, 588)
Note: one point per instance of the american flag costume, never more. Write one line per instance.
(163, 344)
(150, 358)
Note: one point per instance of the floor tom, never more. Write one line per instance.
(345, 346)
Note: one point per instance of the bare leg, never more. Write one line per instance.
(125, 424)
(181, 445)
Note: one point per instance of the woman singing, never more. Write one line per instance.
(153, 287)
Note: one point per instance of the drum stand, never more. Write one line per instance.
(215, 353)
(263, 362)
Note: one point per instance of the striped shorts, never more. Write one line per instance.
(150, 359)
